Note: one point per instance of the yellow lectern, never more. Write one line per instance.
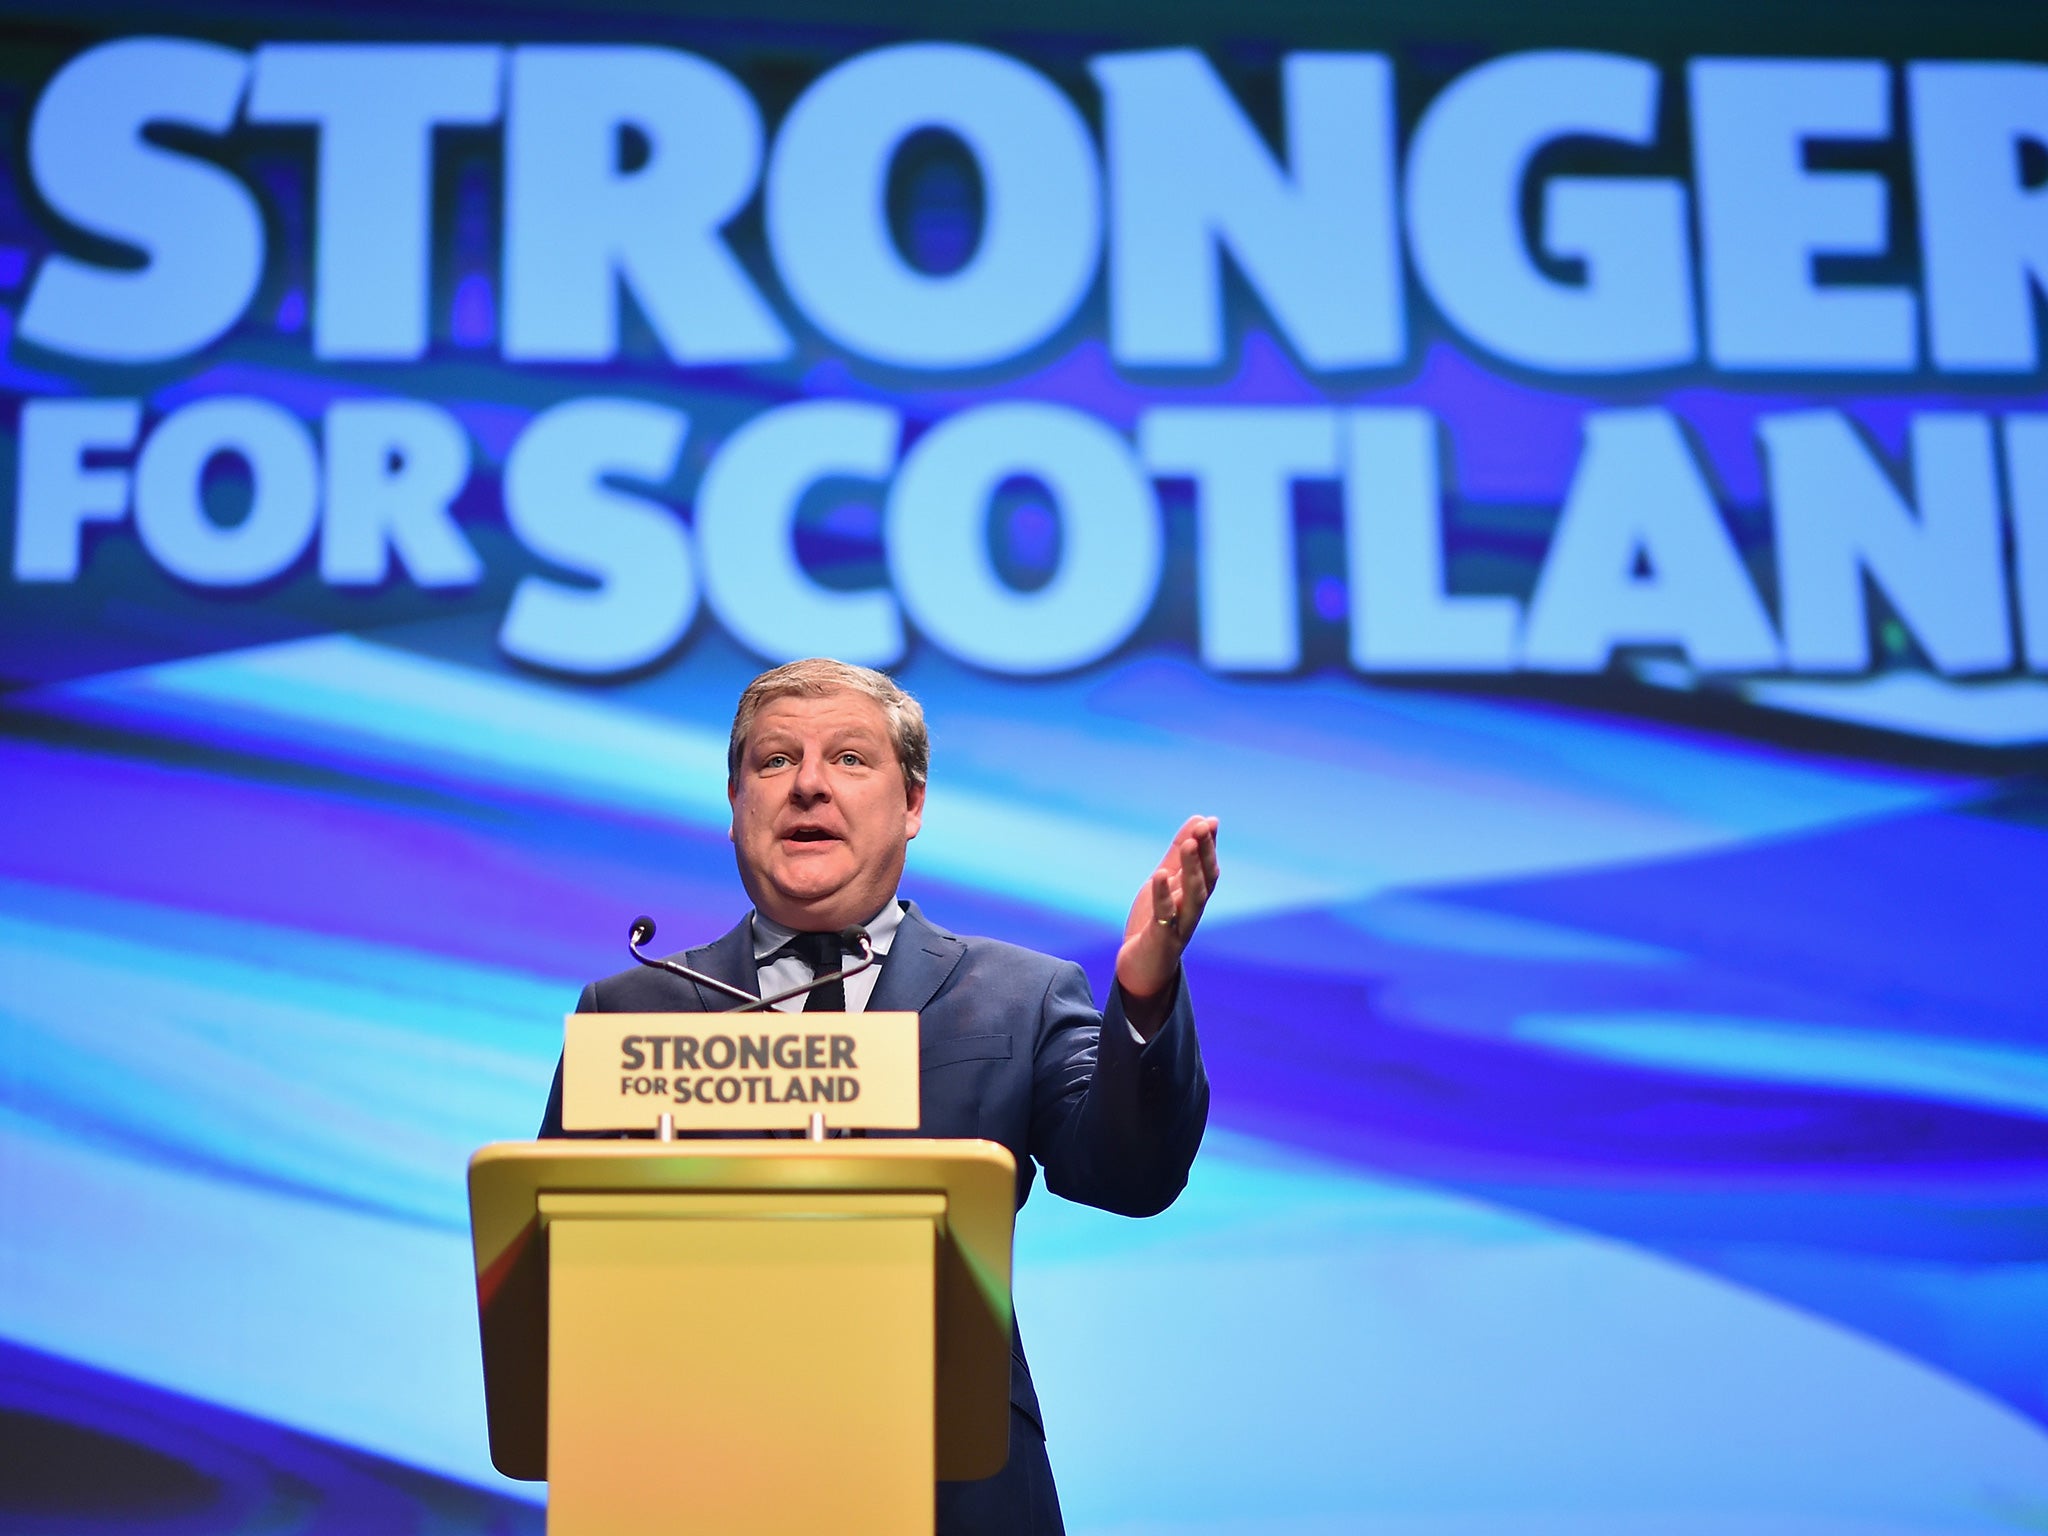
(745, 1338)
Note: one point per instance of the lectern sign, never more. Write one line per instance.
(739, 1071)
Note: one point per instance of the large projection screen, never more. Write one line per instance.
(1566, 485)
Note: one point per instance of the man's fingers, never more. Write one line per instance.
(1165, 905)
(1194, 887)
(1163, 917)
(1180, 887)
(1200, 831)
(1196, 863)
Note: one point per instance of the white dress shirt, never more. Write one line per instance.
(788, 971)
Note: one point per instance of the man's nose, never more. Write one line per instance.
(810, 782)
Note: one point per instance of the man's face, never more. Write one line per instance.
(820, 812)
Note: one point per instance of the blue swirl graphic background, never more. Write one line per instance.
(1631, 1095)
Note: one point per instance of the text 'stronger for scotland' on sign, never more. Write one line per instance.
(739, 1072)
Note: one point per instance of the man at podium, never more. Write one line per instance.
(826, 775)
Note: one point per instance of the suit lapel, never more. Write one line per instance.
(917, 965)
(731, 960)
(919, 962)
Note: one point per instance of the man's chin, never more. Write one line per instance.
(815, 892)
(811, 906)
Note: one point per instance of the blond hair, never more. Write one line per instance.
(817, 676)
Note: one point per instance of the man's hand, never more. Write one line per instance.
(1162, 920)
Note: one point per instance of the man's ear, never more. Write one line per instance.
(913, 813)
(732, 822)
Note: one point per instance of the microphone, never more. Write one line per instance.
(643, 930)
(853, 937)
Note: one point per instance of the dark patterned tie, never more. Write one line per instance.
(820, 951)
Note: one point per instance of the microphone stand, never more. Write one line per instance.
(643, 930)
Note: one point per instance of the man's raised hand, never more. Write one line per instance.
(1162, 920)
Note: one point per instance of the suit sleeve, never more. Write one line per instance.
(551, 1117)
(1114, 1123)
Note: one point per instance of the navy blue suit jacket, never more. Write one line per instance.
(1012, 1049)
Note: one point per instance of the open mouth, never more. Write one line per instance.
(810, 835)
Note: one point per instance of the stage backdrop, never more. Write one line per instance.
(1568, 487)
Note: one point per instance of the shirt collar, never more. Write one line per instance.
(769, 935)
